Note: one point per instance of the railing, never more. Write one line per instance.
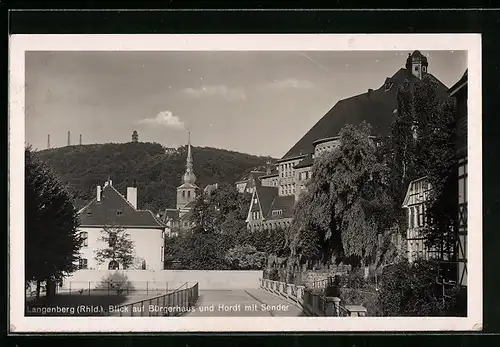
(175, 303)
(312, 303)
(127, 288)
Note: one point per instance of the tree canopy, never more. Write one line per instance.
(118, 247)
(52, 241)
(346, 205)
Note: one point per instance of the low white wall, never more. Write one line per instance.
(221, 280)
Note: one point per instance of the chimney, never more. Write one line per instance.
(370, 91)
(98, 193)
(132, 195)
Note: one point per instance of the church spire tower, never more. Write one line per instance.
(189, 176)
(186, 192)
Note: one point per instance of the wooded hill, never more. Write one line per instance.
(156, 169)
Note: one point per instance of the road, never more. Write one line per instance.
(242, 303)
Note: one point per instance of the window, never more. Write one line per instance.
(89, 212)
(113, 265)
(416, 67)
(189, 193)
(421, 215)
(183, 193)
(82, 264)
(119, 212)
(112, 240)
(424, 68)
(412, 218)
(85, 239)
(163, 234)
(162, 254)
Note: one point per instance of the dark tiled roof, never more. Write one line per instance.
(375, 108)
(283, 203)
(266, 196)
(460, 83)
(307, 161)
(170, 214)
(105, 212)
(80, 203)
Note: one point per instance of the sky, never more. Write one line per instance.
(253, 102)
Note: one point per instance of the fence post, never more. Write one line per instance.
(332, 306)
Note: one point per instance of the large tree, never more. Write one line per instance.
(52, 241)
(118, 249)
(346, 206)
(218, 225)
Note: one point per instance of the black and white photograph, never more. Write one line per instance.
(296, 182)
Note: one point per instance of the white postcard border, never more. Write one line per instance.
(19, 44)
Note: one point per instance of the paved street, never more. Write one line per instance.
(242, 303)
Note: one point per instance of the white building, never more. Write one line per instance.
(111, 209)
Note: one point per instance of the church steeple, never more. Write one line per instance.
(186, 192)
(189, 176)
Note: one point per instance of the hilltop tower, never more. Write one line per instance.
(417, 64)
(186, 192)
(135, 136)
(80, 139)
(69, 138)
(48, 141)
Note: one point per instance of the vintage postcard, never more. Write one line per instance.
(171, 183)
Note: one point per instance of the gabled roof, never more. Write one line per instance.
(375, 107)
(170, 214)
(411, 191)
(265, 196)
(114, 209)
(461, 83)
(283, 203)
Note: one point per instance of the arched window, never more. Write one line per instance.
(189, 193)
(183, 193)
(113, 265)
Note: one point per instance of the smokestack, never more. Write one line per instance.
(69, 138)
(80, 139)
(48, 141)
(132, 194)
(98, 193)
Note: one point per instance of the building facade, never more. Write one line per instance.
(460, 91)
(110, 209)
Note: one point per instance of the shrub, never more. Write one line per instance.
(274, 275)
(354, 279)
(413, 290)
(115, 282)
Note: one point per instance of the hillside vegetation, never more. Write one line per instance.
(157, 172)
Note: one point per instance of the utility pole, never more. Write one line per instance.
(80, 139)
(48, 141)
(69, 138)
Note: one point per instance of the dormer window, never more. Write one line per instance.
(119, 212)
